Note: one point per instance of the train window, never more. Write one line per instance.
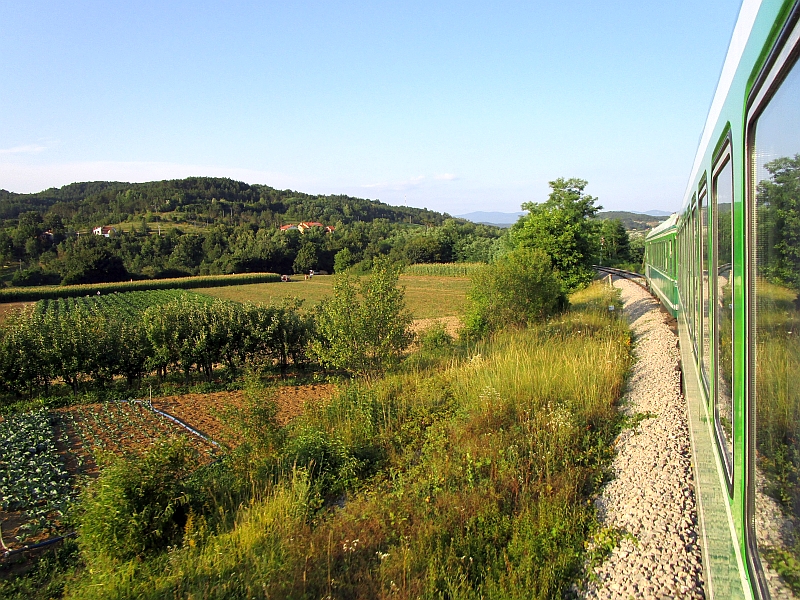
(704, 249)
(775, 346)
(722, 300)
(696, 271)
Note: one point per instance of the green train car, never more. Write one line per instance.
(731, 257)
(660, 263)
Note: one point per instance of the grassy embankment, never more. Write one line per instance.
(469, 479)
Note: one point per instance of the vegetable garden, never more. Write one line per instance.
(33, 477)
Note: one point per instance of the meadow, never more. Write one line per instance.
(427, 296)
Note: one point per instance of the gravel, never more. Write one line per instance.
(650, 501)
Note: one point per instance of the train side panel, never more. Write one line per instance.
(736, 284)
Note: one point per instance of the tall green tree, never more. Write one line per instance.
(615, 246)
(306, 258)
(562, 228)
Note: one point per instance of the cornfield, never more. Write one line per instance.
(443, 269)
(72, 291)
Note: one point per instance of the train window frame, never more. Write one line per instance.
(703, 303)
(780, 61)
(722, 159)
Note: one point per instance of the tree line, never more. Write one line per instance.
(207, 226)
(363, 328)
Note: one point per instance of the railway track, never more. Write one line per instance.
(636, 278)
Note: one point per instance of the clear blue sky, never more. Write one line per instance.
(454, 106)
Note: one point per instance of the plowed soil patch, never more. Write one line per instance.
(213, 414)
(292, 399)
(119, 428)
(210, 414)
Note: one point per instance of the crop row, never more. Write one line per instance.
(126, 305)
(24, 294)
(100, 342)
(443, 269)
(122, 428)
(33, 477)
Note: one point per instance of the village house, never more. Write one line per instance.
(104, 231)
(306, 225)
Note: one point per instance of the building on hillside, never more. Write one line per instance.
(306, 225)
(104, 231)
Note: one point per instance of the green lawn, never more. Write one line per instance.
(427, 297)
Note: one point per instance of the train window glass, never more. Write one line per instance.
(688, 270)
(722, 215)
(775, 214)
(704, 249)
(690, 273)
(697, 245)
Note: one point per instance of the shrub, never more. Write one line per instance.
(343, 260)
(436, 337)
(34, 276)
(515, 291)
(363, 329)
(138, 505)
(331, 467)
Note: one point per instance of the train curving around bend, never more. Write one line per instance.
(728, 267)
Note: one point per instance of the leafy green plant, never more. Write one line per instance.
(516, 290)
(32, 476)
(436, 337)
(363, 328)
(137, 505)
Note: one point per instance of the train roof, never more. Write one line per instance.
(741, 33)
(663, 227)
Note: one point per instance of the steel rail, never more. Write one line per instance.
(636, 278)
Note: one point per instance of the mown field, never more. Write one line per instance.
(427, 297)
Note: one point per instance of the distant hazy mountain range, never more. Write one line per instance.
(631, 220)
(492, 218)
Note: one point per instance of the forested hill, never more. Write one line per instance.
(203, 225)
(632, 221)
(201, 198)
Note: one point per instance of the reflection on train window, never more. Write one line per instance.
(776, 217)
(722, 201)
(705, 324)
